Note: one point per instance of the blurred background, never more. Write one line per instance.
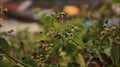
(60, 33)
(27, 13)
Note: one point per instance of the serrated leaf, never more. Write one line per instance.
(56, 47)
(30, 62)
(4, 45)
(70, 49)
(48, 18)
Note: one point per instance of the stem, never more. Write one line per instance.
(26, 65)
(62, 18)
(72, 64)
(89, 61)
(56, 64)
(23, 49)
(75, 42)
(53, 23)
(81, 60)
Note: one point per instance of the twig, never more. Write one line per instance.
(26, 65)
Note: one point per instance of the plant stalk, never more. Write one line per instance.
(26, 65)
(89, 61)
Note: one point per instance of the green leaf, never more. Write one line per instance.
(6, 64)
(96, 42)
(81, 60)
(30, 62)
(115, 54)
(56, 47)
(70, 49)
(107, 51)
(48, 17)
(4, 45)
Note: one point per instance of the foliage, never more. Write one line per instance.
(63, 44)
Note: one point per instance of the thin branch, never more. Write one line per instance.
(26, 65)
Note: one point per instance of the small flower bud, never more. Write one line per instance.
(11, 31)
(117, 38)
(46, 49)
(6, 10)
(71, 34)
(63, 13)
(41, 55)
(58, 17)
(104, 25)
(41, 31)
(113, 28)
(53, 13)
(51, 45)
(37, 56)
(72, 26)
(62, 53)
(32, 57)
(102, 33)
(106, 29)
